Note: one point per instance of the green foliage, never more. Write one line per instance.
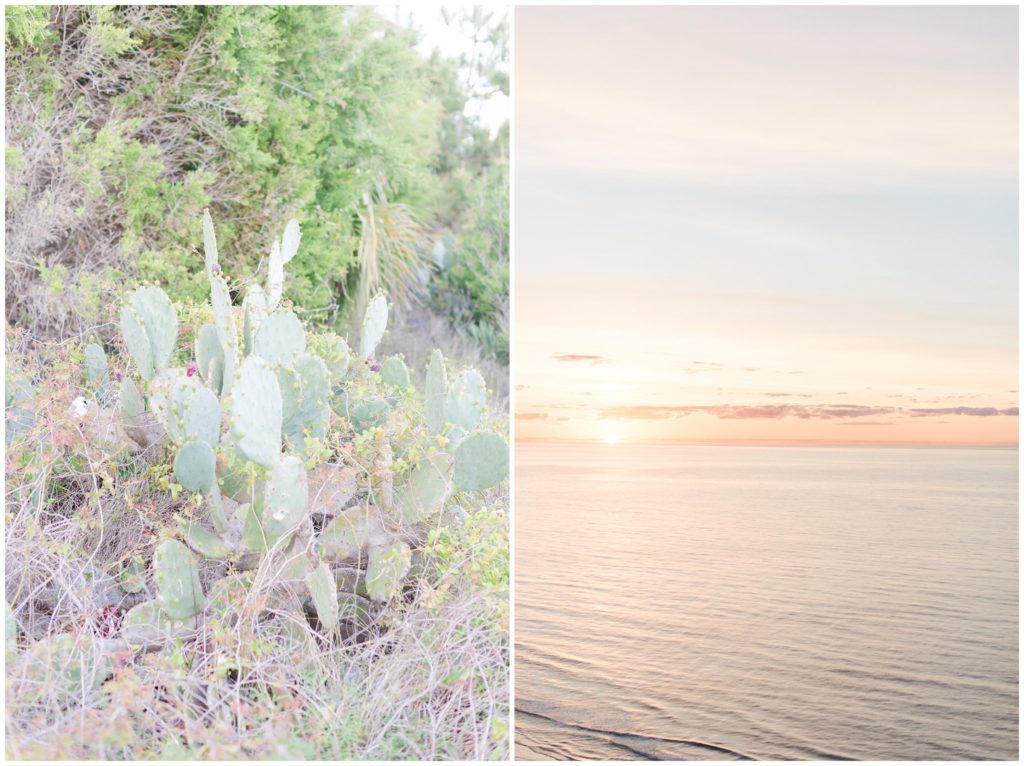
(471, 253)
(314, 113)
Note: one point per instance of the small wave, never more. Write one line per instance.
(633, 735)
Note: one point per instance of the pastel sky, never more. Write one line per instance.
(766, 224)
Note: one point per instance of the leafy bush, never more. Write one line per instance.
(124, 122)
(252, 544)
(471, 258)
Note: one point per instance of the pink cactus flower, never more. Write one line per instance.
(193, 368)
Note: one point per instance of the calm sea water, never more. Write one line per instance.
(771, 603)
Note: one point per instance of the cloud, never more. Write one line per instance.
(531, 416)
(974, 412)
(592, 358)
(777, 411)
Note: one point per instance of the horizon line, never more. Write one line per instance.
(773, 443)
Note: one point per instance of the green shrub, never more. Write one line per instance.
(127, 121)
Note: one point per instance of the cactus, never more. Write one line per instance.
(133, 576)
(146, 626)
(95, 362)
(437, 389)
(467, 400)
(254, 311)
(179, 592)
(281, 508)
(280, 338)
(305, 391)
(210, 245)
(224, 323)
(149, 325)
(351, 532)
(204, 542)
(481, 461)
(385, 570)
(425, 489)
(256, 411)
(368, 413)
(375, 322)
(194, 466)
(335, 353)
(276, 392)
(131, 402)
(210, 357)
(393, 372)
(324, 592)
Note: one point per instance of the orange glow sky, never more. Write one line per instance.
(766, 225)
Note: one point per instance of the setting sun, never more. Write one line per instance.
(611, 438)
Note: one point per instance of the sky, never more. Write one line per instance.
(792, 225)
(435, 33)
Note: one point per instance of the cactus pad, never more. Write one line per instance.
(286, 495)
(256, 411)
(254, 311)
(290, 241)
(324, 592)
(131, 401)
(201, 416)
(385, 570)
(95, 362)
(210, 357)
(145, 625)
(282, 507)
(350, 532)
(394, 372)
(481, 461)
(209, 243)
(224, 322)
(280, 338)
(437, 392)
(424, 490)
(133, 576)
(179, 591)
(194, 466)
(368, 413)
(375, 322)
(305, 389)
(137, 341)
(204, 542)
(275, 276)
(335, 353)
(467, 400)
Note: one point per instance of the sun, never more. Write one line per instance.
(611, 438)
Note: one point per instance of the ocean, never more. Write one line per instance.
(684, 602)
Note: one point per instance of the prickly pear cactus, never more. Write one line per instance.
(248, 420)
(179, 592)
(394, 373)
(149, 325)
(256, 411)
(374, 324)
